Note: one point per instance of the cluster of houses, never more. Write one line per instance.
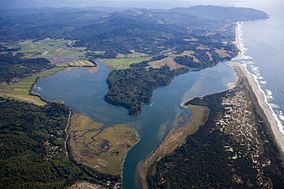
(51, 149)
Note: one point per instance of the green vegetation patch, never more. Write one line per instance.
(21, 89)
(58, 51)
(133, 87)
(81, 63)
(124, 61)
(101, 149)
(13, 66)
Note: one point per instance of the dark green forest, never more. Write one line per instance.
(32, 146)
(32, 151)
(14, 67)
(133, 87)
(148, 31)
(106, 33)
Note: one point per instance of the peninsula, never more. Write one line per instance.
(248, 139)
(208, 42)
(234, 146)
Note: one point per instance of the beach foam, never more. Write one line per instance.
(281, 116)
(271, 106)
(253, 70)
(263, 82)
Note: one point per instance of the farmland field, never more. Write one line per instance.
(57, 51)
(80, 63)
(21, 89)
(124, 61)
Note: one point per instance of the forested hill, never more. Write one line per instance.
(223, 14)
(189, 38)
(113, 31)
(32, 150)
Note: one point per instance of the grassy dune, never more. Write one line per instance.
(174, 139)
(21, 89)
(103, 149)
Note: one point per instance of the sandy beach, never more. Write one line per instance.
(277, 135)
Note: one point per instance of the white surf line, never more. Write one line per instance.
(246, 60)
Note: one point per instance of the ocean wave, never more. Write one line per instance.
(247, 60)
(255, 68)
(274, 106)
(247, 57)
(268, 97)
(281, 116)
(268, 92)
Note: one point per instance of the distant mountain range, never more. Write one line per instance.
(119, 30)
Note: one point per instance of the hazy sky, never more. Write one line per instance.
(262, 4)
(113, 3)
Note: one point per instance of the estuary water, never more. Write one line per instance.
(83, 91)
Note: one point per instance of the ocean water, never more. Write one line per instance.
(263, 43)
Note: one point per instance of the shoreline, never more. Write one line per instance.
(259, 93)
(273, 125)
(101, 134)
(264, 107)
(175, 138)
(123, 162)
